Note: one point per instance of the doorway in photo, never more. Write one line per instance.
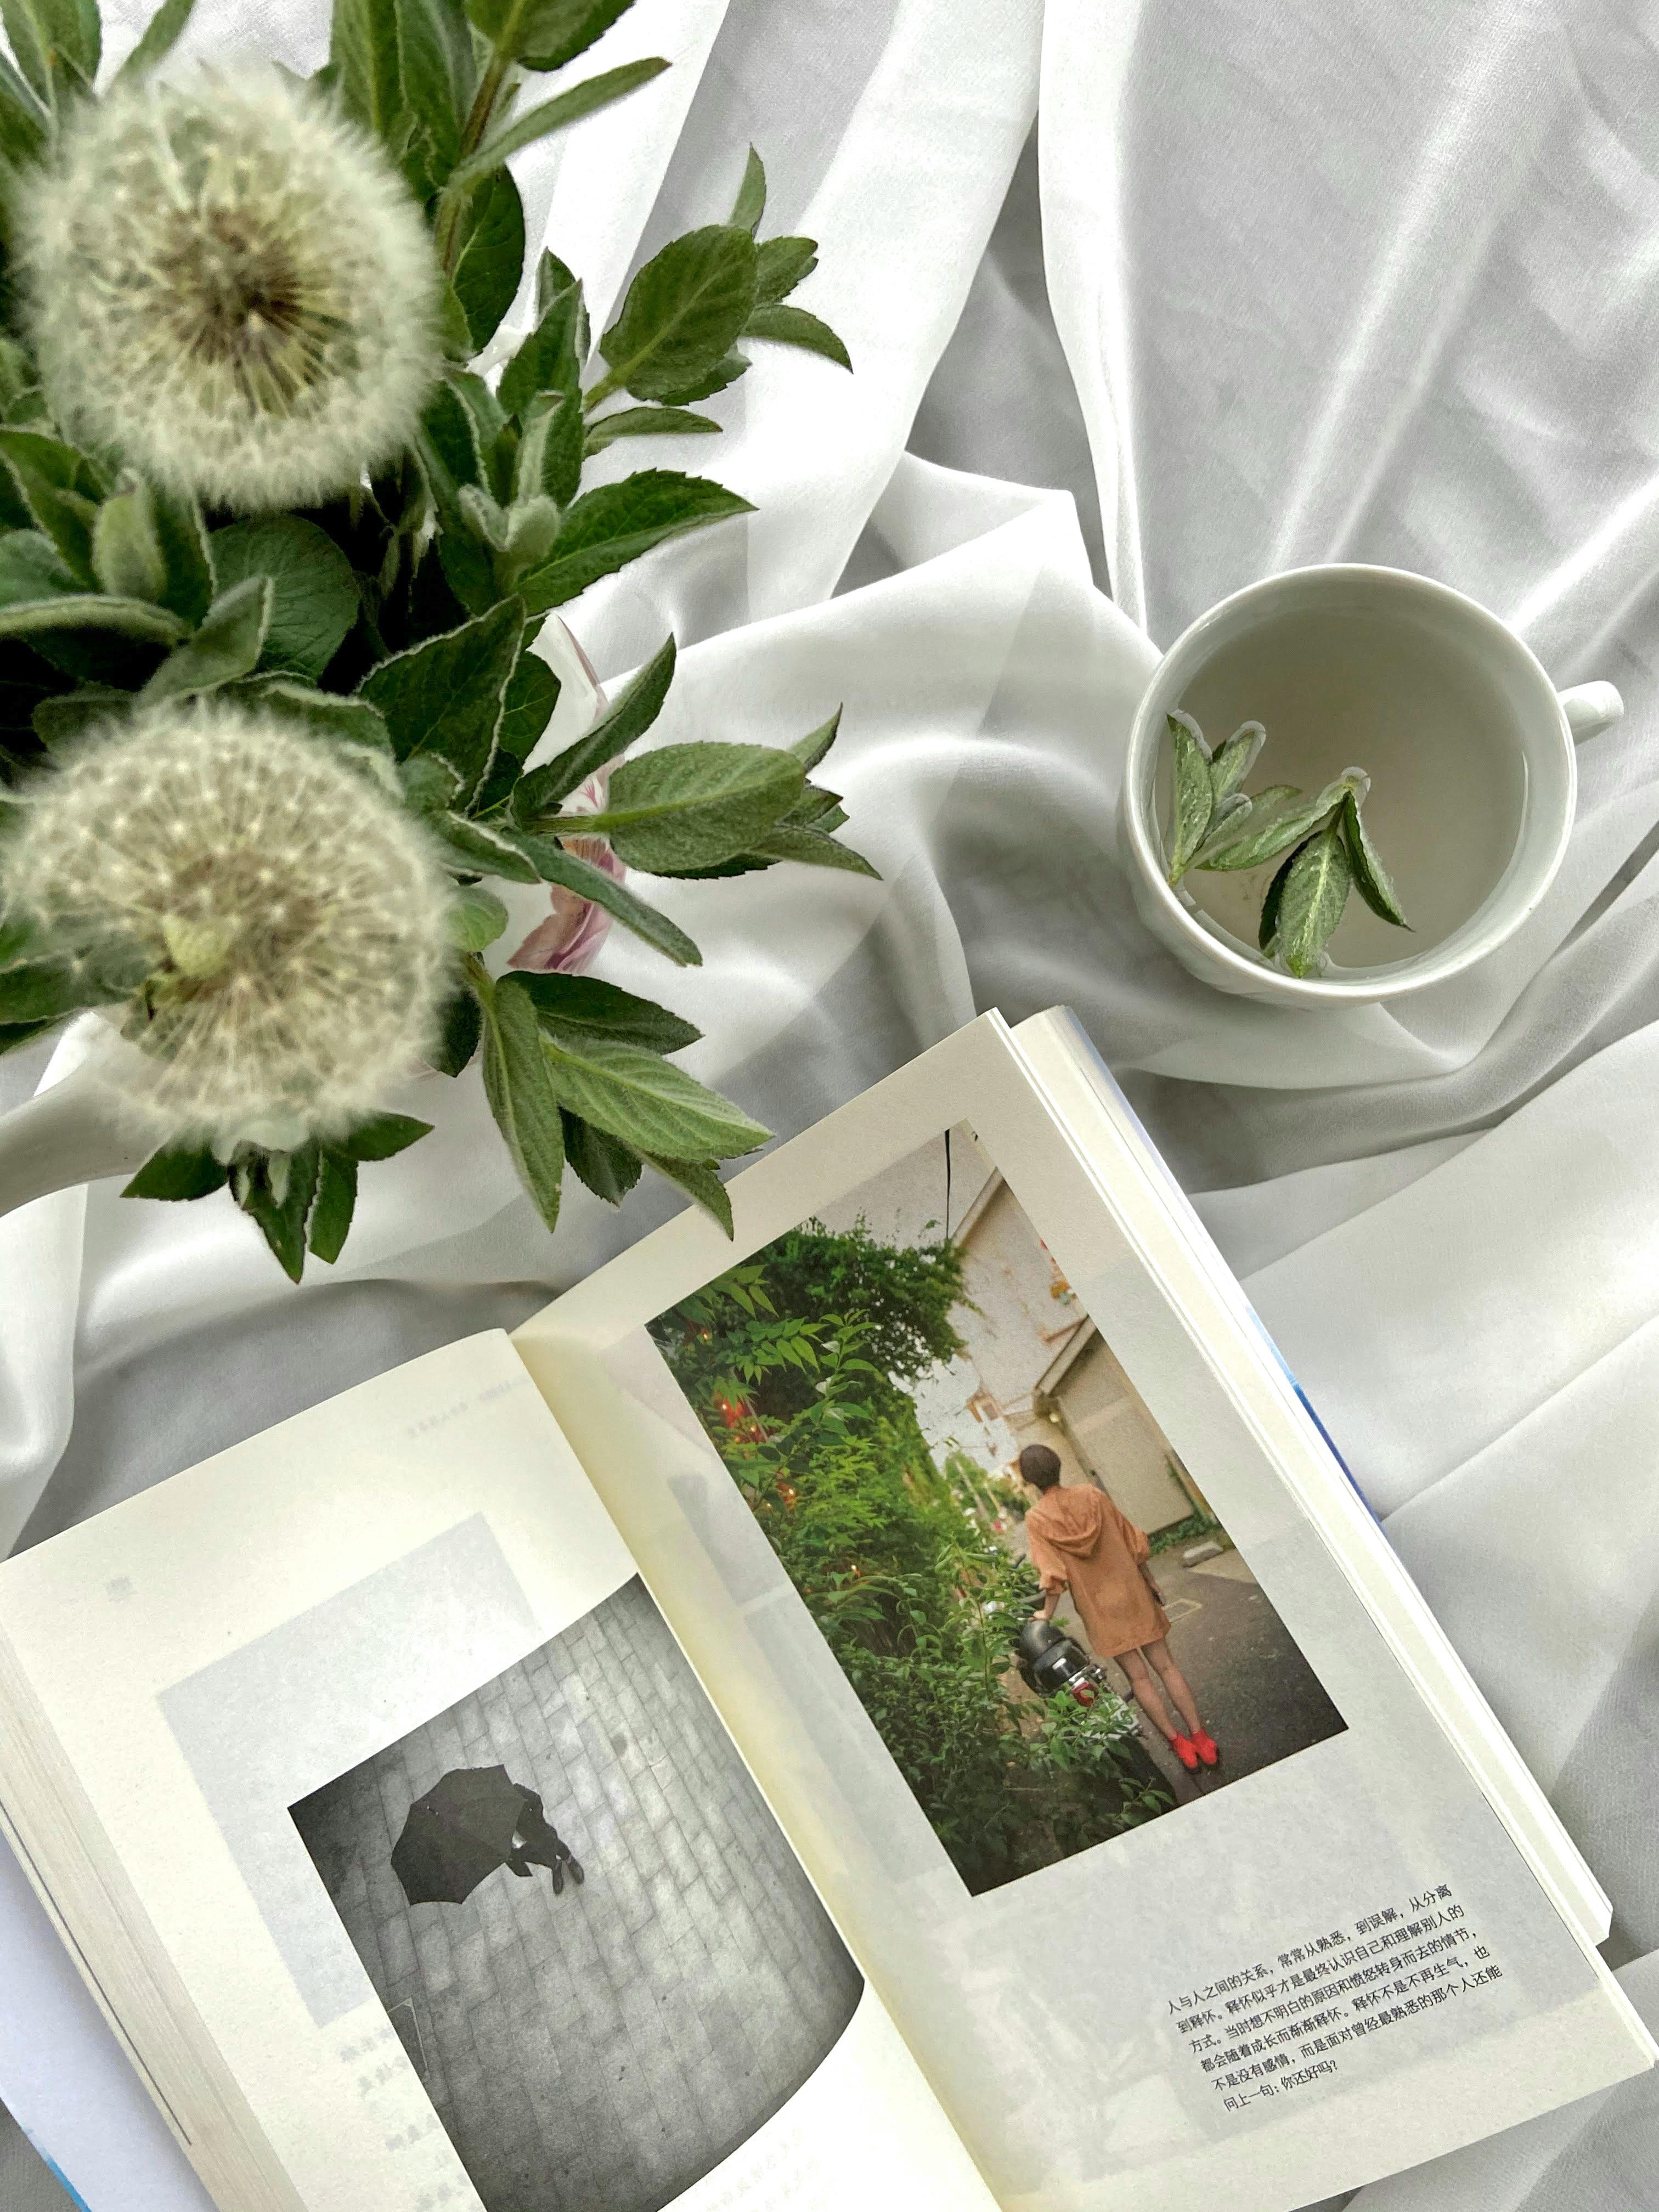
(595, 1945)
(1031, 1595)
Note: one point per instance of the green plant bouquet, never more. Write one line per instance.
(1328, 850)
(273, 561)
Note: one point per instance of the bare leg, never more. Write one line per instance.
(1144, 1690)
(1175, 1685)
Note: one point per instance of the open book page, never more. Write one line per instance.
(1126, 1970)
(463, 1879)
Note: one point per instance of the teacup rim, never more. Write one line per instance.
(1417, 971)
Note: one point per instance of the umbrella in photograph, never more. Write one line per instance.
(458, 1833)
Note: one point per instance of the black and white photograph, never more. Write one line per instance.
(599, 1953)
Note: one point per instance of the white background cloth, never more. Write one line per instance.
(1281, 283)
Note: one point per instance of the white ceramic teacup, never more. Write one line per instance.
(1468, 745)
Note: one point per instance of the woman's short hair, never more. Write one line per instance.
(1039, 1466)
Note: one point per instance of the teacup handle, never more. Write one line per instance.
(1589, 708)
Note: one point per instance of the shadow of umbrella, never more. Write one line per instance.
(457, 1834)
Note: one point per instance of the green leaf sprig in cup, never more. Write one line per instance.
(1326, 849)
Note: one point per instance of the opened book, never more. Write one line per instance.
(905, 1707)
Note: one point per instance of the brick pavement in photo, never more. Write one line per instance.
(597, 2051)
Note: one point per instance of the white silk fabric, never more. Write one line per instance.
(1273, 283)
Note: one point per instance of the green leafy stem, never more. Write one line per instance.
(1326, 849)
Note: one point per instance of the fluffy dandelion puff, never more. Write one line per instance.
(287, 916)
(231, 285)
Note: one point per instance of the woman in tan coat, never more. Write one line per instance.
(1081, 1542)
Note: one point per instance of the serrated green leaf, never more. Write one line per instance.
(1371, 880)
(58, 492)
(750, 203)
(692, 805)
(448, 694)
(490, 261)
(161, 34)
(518, 1083)
(13, 1036)
(437, 66)
(133, 618)
(646, 1101)
(46, 990)
(488, 849)
(31, 570)
(813, 847)
(645, 422)
(488, 420)
(550, 462)
(20, 939)
(39, 30)
(363, 56)
(683, 311)
(603, 1162)
(725, 371)
(532, 695)
(1232, 760)
(65, 719)
(383, 1136)
(1238, 817)
(811, 748)
(607, 528)
(698, 1180)
(623, 722)
(555, 114)
(277, 1194)
(1263, 839)
(22, 137)
(556, 31)
(227, 645)
(572, 874)
(552, 277)
(587, 1003)
(780, 264)
(1310, 905)
(476, 919)
(179, 1171)
(127, 552)
(1193, 798)
(460, 1024)
(430, 784)
(1268, 927)
(316, 598)
(189, 586)
(448, 446)
(335, 1204)
(547, 360)
(793, 326)
(348, 721)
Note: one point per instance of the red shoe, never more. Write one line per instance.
(1205, 1745)
(1186, 1750)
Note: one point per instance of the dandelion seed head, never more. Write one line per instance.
(231, 285)
(290, 975)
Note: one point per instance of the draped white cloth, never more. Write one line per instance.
(1283, 283)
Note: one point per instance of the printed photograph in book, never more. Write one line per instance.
(1033, 1598)
(599, 1951)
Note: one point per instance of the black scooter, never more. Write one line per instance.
(1049, 1661)
(1055, 1665)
